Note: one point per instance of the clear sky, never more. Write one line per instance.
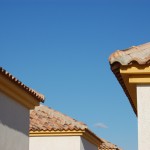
(61, 49)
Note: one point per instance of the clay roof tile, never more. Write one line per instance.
(139, 54)
(32, 92)
(50, 119)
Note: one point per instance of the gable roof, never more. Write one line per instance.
(19, 84)
(136, 57)
(47, 121)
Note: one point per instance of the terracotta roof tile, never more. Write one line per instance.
(45, 118)
(135, 54)
(139, 54)
(108, 146)
(13, 79)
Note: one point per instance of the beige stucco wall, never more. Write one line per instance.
(143, 104)
(14, 124)
(60, 143)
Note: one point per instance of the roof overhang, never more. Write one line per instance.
(129, 76)
(17, 93)
(87, 134)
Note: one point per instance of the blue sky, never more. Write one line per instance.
(61, 49)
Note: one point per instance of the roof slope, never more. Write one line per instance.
(13, 79)
(139, 54)
(108, 146)
(45, 118)
(129, 57)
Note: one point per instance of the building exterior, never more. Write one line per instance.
(50, 129)
(132, 69)
(16, 99)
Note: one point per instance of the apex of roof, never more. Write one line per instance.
(139, 54)
(108, 146)
(45, 118)
(13, 79)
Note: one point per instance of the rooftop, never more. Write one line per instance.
(128, 62)
(139, 54)
(43, 118)
(18, 83)
(108, 146)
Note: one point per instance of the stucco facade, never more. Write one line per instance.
(14, 124)
(143, 103)
(132, 69)
(51, 129)
(16, 100)
(60, 142)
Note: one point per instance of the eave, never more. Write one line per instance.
(87, 134)
(129, 76)
(17, 93)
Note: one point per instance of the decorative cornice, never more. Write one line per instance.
(56, 133)
(16, 93)
(39, 97)
(133, 75)
(87, 134)
(131, 61)
(135, 69)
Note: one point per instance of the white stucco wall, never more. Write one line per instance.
(55, 143)
(143, 104)
(86, 145)
(14, 125)
(60, 143)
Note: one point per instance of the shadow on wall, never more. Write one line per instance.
(85, 145)
(13, 116)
